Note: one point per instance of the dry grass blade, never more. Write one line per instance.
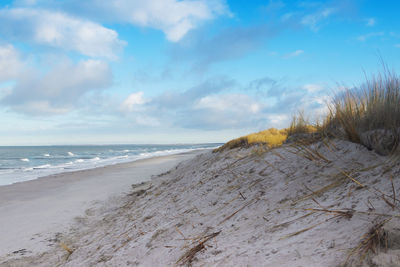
(233, 214)
(179, 231)
(301, 231)
(369, 242)
(351, 178)
(291, 221)
(319, 191)
(67, 249)
(381, 194)
(344, 213)
(189, 255)
(388, 202)
(306, 229)
(349, 212)
(304, 150)
(394, 191)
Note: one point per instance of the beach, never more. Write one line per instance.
(33, 212)
(330, 203)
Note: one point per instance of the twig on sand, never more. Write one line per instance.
(67, 249)
(233, 214)
(338, 213)
(189, 255)
(285, 224)
(345, 213)
(306, 229)
(394, 191)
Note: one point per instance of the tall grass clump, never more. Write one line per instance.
(300, 125)
(369, 114)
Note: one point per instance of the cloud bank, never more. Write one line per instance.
(175, 18)
(218, 104)
(55, 91)
(60, 30)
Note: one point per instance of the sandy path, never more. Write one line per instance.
(33, 211)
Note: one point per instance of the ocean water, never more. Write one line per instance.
(22, 163)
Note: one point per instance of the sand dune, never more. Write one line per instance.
(291, 206)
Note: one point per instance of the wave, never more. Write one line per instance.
(45, 166)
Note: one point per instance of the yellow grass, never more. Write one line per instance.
(271, 137)
(300, 125)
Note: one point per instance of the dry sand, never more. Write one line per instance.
(33, 213)
(290, 206)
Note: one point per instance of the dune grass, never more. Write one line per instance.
(271, 137)
(368, 114)
(300, 125)
(371, 107)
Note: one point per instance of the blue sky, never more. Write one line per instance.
(168, 71)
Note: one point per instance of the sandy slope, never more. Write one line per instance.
(289, 206)
(32, 213)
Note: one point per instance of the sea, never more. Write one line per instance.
(22, 163)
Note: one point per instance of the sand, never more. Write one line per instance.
(33, 212)
(290, 206)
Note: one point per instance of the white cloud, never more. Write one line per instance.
(174, 17)
(312, 88)
(365, 37)
(60, 30)
(315, 106)
(60, 89)
(133, 102)
(237, 103)
(313, 20)
(294, 54)
(10, 62)
(279, 120)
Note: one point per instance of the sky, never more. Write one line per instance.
(189, 71)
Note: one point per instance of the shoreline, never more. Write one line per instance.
(105, 164)
(34, 211)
